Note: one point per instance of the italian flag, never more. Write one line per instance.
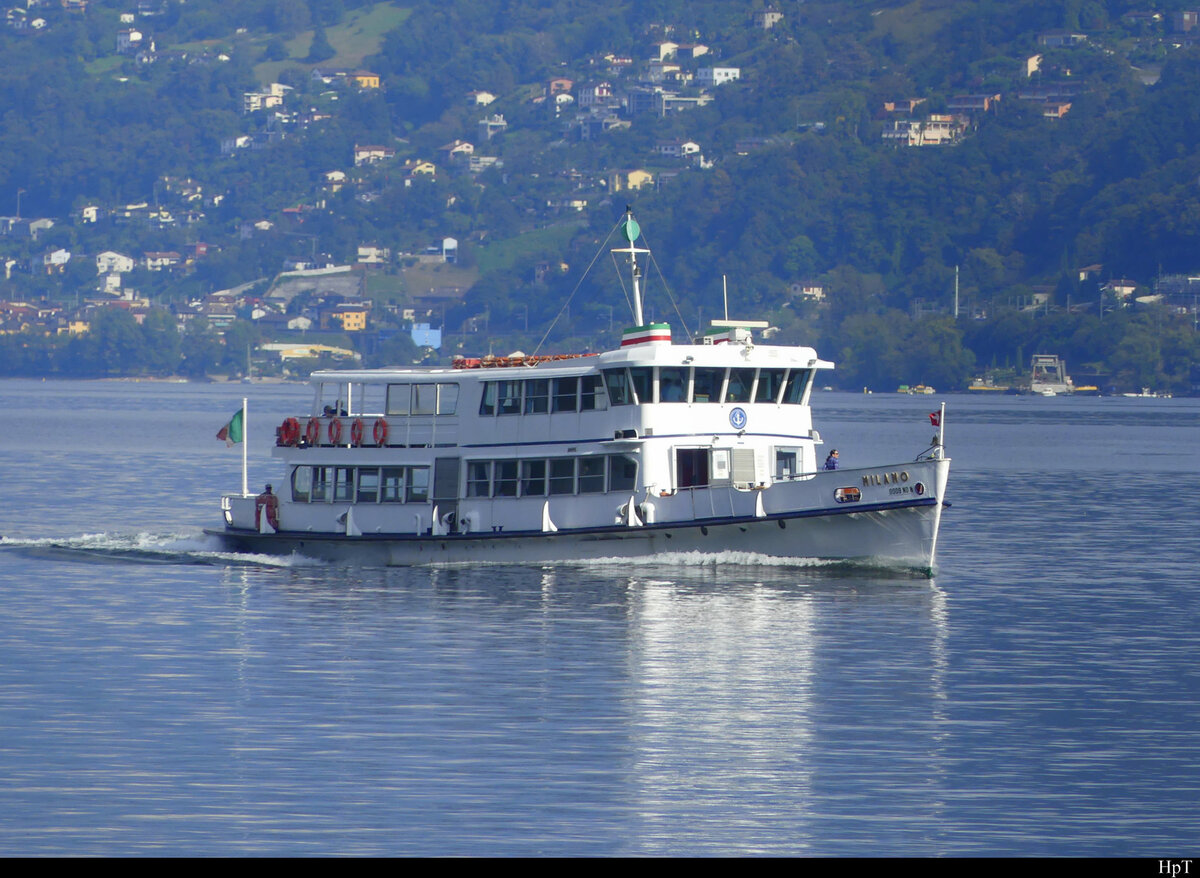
(232, 432)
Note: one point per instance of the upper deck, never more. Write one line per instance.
(635, 392)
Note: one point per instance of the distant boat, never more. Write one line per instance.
(1049, 373)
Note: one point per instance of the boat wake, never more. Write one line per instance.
(148, 548)
(754, 559)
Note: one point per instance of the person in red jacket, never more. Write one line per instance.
(269, 502)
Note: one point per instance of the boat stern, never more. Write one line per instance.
(239, 511)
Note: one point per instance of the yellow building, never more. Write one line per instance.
(352, 319)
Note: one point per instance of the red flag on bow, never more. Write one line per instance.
(935, 418)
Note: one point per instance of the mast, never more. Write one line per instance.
(630, 230)
(245, 445)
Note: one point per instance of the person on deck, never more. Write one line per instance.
(831, 462)
(268, 501)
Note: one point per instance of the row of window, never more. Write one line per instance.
(361, 484)
(550, 476)
(632, 385)
(485, 478)
(422, 399)
(699, 384)
(533, 396)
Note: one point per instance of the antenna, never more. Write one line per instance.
(725, 294)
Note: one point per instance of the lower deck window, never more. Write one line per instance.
(556, 476)
(505, 483)
(562, 476)
(479, 478)
(533, 478)
(364, 484)
(536, 477)
(591, 475)
(622, 473)
(368, 485)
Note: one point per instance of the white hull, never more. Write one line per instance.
(900, 532)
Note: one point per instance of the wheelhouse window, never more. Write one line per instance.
(672, 384)
(706, 385)
(642, 378)
(619, 391)
(797, 383)
(770, 382)
(741, 383)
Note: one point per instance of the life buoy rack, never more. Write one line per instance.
(312, 432)
(356, 432)
(289, 431)
(380, 432)
(335, 431)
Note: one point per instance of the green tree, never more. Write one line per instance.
(321, 50)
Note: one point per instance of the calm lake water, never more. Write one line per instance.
(1039, 696)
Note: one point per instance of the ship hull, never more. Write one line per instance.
(893, 534)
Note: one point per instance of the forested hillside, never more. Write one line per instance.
(863, 160)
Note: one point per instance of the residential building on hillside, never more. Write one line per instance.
(56, 260)
(112, 262)
(768, 18)
(632, 180)
(369, 155)
(714, 76)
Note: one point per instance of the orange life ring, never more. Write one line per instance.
(356, 432)
(312, 432)
(335, 431)
(289, 431)
(380, 432)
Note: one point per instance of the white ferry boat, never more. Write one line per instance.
(653, 448)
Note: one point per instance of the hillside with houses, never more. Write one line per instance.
(929, 191)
